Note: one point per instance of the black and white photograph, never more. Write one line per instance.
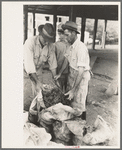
(64, 72)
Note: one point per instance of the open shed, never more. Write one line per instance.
(106, 12)
(106, 67)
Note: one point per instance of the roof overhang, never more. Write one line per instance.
(108, 12)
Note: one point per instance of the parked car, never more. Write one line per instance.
(90, 41)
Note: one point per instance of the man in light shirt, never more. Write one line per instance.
(79, 72)
(62, 63)
(38, 50)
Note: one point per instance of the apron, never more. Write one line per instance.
(79, 100)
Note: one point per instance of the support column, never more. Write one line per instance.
(54, 23)
(83, 23)
(72, 14)
(34, 29)
(95, 31)
(25, 23)
(104, 34)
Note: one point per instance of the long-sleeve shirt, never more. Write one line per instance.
(35, 55)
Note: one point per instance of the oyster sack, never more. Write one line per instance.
(35, 136)
(61, 132)
(36, 106)
(101, 133)
(61, 112)
(76, 126)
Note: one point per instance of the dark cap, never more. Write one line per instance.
(71, 26)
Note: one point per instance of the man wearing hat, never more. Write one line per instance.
(79, 74)
(62, 63)
(38, 50)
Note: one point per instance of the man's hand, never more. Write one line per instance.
(35, 80)
(39, 86)
(71, 94)
(57, 83)
(57, 76)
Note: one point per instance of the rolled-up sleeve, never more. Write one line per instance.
(52, 57)
(28, 56)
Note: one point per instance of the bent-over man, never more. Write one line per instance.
(37, 50)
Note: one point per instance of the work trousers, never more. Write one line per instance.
(79, 100)
(63, 82)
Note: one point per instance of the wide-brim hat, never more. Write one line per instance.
(47, 31)
(71, 26)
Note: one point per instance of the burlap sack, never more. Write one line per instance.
(61, 132)
(76, 126)
(36, 106)
(101, 133)
(46, 119)
(61, 112)
(35, 136)
(77, 140)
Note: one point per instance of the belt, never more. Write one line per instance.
(91, 72)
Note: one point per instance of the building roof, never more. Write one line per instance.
(109, 12)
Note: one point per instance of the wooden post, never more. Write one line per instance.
(104, 34)
(54, 22)
(94, 35)
(25, 23)
(72, 14)
(34, 29)
(83, 22)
